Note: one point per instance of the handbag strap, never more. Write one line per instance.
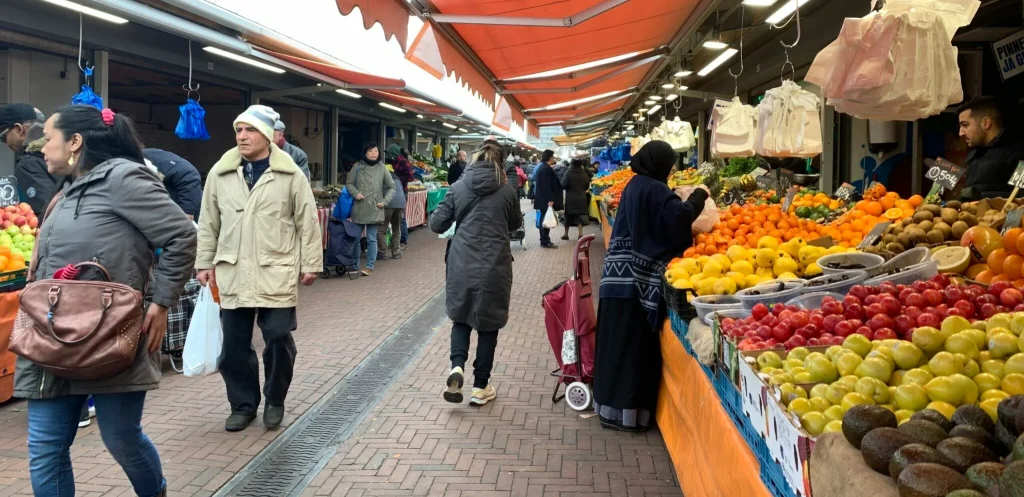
(106, 299)
(31, 276)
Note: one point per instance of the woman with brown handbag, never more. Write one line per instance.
(105, 222)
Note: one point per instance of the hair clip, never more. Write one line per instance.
(108, 117)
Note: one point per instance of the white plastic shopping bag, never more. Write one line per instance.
(205, 339)
(550, 221)
(708, 218)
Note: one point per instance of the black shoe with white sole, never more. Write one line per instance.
(453, 393)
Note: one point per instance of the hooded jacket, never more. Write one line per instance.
(37, 186)
(259, 241)
(478, 287)
(298, 156)
(180, 177)
(114, 214)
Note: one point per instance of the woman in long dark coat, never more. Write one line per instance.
(653, 225)
(478, 288)
(576, 183)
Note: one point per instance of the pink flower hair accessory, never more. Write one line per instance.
(108, 117)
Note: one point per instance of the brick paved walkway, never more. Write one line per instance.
(412, 442)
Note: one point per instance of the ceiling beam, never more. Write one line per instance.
(287, 92)
(547, 22)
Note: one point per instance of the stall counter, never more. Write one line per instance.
(416, 209)
(710, 456)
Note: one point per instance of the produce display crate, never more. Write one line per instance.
(678, 300)
(13, 280)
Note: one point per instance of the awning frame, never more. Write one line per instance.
(564, 22)
(660, 51)
(600, 79)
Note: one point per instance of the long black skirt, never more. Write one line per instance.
(628, 369)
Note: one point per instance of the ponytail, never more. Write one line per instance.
(105, 135)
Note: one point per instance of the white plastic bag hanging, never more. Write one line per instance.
(708, 218)
(205, 340)
(734, 127)
(550, 221)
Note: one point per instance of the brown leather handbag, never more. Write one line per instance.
(79, 330)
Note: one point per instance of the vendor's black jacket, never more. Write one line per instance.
(455, 171)
(547, 189)
(989, 168)
(37, 186)
(180, 177)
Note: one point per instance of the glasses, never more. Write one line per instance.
(3, 134)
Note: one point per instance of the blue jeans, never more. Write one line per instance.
(53, 423)
(405, 230)
(371, 246)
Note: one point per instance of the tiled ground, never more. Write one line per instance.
(412, 443)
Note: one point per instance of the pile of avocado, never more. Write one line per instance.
(932, 456)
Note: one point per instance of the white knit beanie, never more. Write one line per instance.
(260, 117)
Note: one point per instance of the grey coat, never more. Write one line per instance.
(118, 214)
(375, 183)
(479, 282)
(299, 156)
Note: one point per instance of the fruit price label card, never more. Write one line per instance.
(790, 195)
(845, 192)
(1013, 219)
(1017, 180)
(9, 191)
(945, 173)
(874, 235)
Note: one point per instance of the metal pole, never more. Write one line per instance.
(335, 158)
(101, 76)
(917, 158)
(701, 137)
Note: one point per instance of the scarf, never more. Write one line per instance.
(655, 160)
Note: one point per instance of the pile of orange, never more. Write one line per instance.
(1003, 264)
(814, 200)
(744, 225)
(855, 224)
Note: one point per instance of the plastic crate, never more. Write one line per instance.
(13, 280)
(729, 395)
(676, 300)
(679, 326)
(771, 471)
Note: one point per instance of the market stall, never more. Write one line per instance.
(416, 208)
(434, 197)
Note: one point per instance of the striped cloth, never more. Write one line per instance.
(323, 215)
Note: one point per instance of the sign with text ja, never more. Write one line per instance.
(1009, 54)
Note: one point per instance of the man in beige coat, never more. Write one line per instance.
(258, 239)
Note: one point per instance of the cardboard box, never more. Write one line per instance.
(790, 446)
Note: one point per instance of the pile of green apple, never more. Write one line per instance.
(940, 368)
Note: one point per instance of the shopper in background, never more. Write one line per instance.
(180, 177)
(114, 210)
(651, 227)
(371, 186)
(577, 205)
(296, 153)
(548, 194)
(21, 129)
(259, 237)
(394, 212)
(457, 167)
(478, 287)
(994, 153)
(511, 175)
(405, 173)
(523, 179)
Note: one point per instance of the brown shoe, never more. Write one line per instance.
(366, 272)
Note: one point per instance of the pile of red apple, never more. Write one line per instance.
(880, 312)
(18, 215)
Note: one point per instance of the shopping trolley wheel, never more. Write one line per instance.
(578, 396)
(326, 274)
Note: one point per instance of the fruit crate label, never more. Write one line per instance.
(9, 191)
(1013, 220)
(874, 235)
(846, 192)
(1017, 180)
(945, 173)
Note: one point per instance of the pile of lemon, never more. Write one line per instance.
(740, 268)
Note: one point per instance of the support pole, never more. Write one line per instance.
(334, 161)
(101, 76)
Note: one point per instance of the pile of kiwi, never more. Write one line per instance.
(933, 225)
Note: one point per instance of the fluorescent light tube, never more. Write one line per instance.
(452, 126)
(668, 86)
(578, 101)
(759, 3)
(654, 109)
(464, 130)
(392, 107)
(89, 11)
(244, 60)
(419, 116)
(650, 102)
(785, 11)
(683, 74)
(671, 97)
(655, 97)
(577, 67)
(726, 55)
(629, 128)
(348, 93)
(715, 44)
(684, 88)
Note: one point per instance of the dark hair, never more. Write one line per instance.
(370, 146)
(100, 142)
(982, 107)
(579, 163)
(547, 155)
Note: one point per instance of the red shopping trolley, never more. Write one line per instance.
(571, 324)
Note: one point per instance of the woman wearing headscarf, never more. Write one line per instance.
(652, 226)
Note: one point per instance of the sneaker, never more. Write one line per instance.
(482, 396)
(453, 393)
(549, 246)
(396, 256)
(84, 418)
(366, 272)
(239, 421)
(382, 257)
(565, 237)
(405, 246)
(272, 416)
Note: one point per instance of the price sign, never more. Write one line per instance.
(1013, 220)
(846, 192)
(9, 191)
(790, 195)
(706, 169)
(783, 179)
(764, 182)
(874, 235)
(1017, 180)
(945, 173)
(733, 197)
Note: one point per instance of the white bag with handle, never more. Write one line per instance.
(205, 340)
(550, 221)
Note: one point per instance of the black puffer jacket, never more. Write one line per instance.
(479, 283)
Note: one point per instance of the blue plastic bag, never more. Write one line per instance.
(87, 97)
(539, 220)
(343, 208)
(192, 123)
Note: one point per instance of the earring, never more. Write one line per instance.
(71, 160)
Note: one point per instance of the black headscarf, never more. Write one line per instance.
(655, 160)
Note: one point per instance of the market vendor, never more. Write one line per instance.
(994, 152)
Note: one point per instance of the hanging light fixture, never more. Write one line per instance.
(656, 97)
(668, 86)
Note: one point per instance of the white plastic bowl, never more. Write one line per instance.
(867, 262)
